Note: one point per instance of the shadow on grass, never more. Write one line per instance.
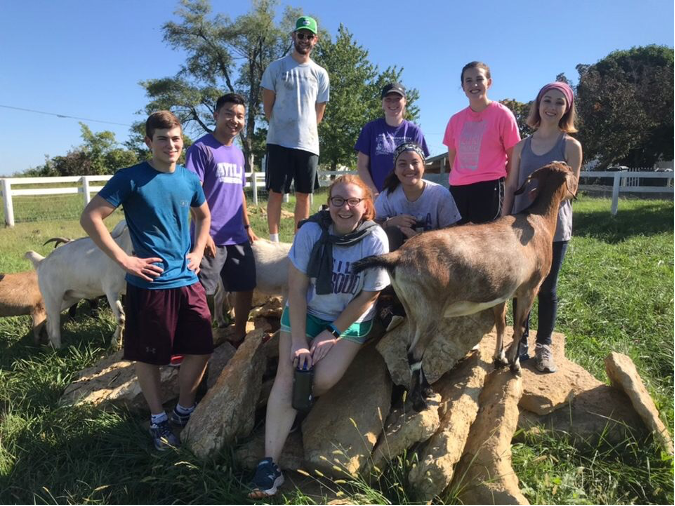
(647, 219)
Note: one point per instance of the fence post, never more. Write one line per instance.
(254, 186)
(615, 193)
(85, 190)
(7, 198)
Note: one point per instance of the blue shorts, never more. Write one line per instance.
(356, 333)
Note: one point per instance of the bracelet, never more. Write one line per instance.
(333, 330)
(247, 226)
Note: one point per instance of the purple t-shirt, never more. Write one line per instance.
(379, 141)
(221, 170)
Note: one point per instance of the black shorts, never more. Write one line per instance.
(234, 263)
(285, 165)
(479, 202)
(161, 323)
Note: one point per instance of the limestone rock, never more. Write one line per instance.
(460, 390)
(223, 334)
(227, 411)
(543, 393)
(253, 451)
(270, 308)
(455, 338)
(404, 427)
(623, 374)
(344, 424)
(484, 474)
(219, 359)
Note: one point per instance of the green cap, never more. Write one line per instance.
(306, 23)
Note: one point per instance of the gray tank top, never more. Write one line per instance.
(529, 162)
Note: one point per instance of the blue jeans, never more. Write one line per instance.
(548, 300)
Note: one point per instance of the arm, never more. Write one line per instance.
(202, 216)
(320, 109)
(247, 223)
(451, 157)
(512, 176)
(298, 283)
(322, 343)
(269, 98)
(92, 222)
(574, 156)
(362, 164)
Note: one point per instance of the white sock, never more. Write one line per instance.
(185, 411)
(159, 418)
(274, 237)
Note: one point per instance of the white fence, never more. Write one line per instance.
(622, 182)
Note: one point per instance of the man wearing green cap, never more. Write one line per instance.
(295, 92)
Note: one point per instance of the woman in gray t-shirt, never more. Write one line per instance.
(553, 117)
(330, 309)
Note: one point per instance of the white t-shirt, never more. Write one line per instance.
(435, 208)
(345, 285)
(298, 88)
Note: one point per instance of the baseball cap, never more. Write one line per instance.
(393, 88)
(306, 23)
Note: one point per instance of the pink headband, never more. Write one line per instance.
(563, 88)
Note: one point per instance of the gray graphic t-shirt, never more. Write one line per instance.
(435, 208)
(345, 284)
(298, 88)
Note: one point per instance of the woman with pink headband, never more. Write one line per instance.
(553, 116)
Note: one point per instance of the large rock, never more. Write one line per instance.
(404, 427)
(113, 382)
(484, 474)
(253, 451)
(460, 390)
(344, 424)
(543, 393)
(623, 374)
(227, 411)
(455, 338)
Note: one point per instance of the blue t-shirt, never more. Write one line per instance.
(157, 210)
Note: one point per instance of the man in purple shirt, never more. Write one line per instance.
(220, 167)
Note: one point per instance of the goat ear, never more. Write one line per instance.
(520, 190)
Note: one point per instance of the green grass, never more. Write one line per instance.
(616, 292)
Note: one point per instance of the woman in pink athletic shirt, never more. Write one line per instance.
(480, 140)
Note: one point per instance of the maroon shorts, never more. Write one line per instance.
(161, 323)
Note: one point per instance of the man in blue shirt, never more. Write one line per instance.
(166, 309)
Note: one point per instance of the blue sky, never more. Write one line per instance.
(84, 58)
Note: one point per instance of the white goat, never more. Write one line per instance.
(80, 270)
(20, 295)
(271, 265)
(463, 270)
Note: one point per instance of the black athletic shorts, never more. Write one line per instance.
(479, 202)
(234, 263)
(285, 165)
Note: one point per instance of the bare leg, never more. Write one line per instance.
(242, 308)
(329, 370)
(191, 372)
(301, 207)
(274, 211)
(280, 412)
(148, 379)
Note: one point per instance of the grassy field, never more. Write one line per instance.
(616, 292)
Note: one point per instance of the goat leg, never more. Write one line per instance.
(419, 404)
(522, 310)
(499, 312)
(118, 312)
(427, 391)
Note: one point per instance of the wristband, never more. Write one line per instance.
(247, 226)
(333, 330)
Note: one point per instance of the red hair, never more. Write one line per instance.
(369, 214)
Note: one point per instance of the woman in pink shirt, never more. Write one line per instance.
(480, 140)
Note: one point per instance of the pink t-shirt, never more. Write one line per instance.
(480, 140)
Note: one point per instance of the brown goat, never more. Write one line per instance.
(463, 270)
(20, 295)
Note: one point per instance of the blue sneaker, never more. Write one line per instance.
(267, 479)
(180, 420)
(163, 437)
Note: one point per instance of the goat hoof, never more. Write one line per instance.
(420, 405)
(427, 392)
(499, 363)
(515, 369)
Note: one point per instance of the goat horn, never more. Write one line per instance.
(57, 241)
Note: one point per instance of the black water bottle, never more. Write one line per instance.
(302, 389)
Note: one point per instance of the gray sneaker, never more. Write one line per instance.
(544, 358)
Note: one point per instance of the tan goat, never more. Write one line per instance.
(463, 270)
(20, 295)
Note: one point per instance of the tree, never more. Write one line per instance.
(222, 56)
(520, 111)
(355, 85)
(625, 103)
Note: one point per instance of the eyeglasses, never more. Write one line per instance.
(303, 36)
(339, 201)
